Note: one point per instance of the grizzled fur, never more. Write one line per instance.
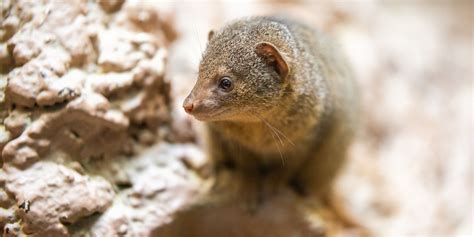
(285, 130)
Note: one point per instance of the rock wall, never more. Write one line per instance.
(86, 128)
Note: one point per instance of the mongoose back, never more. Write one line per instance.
(279, 103)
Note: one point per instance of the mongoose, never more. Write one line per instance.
(279, 104)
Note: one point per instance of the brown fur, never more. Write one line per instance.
(272, 130)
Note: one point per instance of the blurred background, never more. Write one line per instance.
(411, 168)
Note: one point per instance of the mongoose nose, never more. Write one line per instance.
(188, 106)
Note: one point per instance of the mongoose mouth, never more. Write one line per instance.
(203, 117)
(210, 116)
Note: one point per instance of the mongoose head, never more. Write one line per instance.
(244, 72)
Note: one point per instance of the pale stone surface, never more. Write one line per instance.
(83, 99)
(75, 196)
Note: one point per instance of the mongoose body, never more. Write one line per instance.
(279, 103)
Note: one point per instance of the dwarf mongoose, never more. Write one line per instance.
(279, 103)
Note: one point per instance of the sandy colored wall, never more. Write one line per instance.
(86, 126)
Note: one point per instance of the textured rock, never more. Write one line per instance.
(6, 61)
(50, 196)
(27, 82)
(158, 185)
(111, 5)
(16, 122)
(83, 104)
(81, 129)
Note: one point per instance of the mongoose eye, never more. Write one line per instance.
(225, 84)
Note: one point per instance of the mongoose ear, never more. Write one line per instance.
(210, 35)
(273, 57)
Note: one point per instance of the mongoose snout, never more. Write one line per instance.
(206, 101)
(203, 109)
(188, 105)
